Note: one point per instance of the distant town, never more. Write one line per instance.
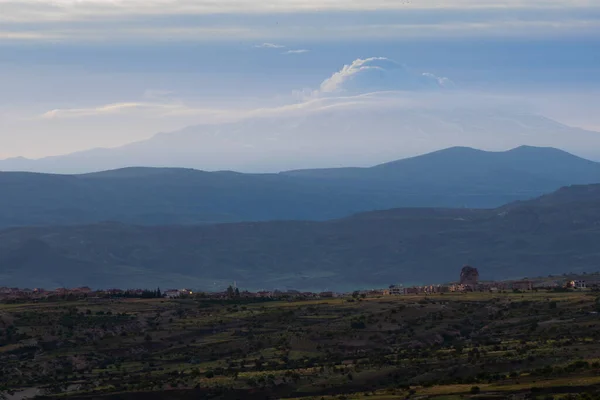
(468, 282)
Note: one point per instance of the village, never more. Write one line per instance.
(468, 282)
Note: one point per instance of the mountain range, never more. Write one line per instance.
(552, 234)
(455, 177)
(360, 130)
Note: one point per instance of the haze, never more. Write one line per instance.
(78, 75)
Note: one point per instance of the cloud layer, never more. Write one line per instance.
(205, 20)
(299, 51)
(354, 83)
(64, 10)
(269, 46)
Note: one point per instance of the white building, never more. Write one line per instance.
(579, 284)
(396, 290)
(172, 294)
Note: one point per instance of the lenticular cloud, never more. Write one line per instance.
(380, 74)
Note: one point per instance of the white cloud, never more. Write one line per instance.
(166, 20)
(270, 46)
(69, 10)
(376, 80)
(442, 81)
(379, 74)
(353, 84)
(184, 111)
(114, 108)
(28, 36)
(216, 115)
(299, 51)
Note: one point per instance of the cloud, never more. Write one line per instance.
(113, 108)
(299, 51)
(28, 36)
(219, 115)
(74, 10)
(379, 74)
(376, 80)
(290, 20)
(442, 81)
(270, 46)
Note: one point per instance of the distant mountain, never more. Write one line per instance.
(457, 164)
(362, 131)
(455, 177)
(550, 235)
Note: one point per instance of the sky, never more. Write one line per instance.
(80, 74)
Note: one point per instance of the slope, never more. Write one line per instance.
(551, 235)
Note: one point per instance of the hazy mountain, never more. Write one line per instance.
(555, 234)
(463, 163)
(455, 177)
(330, 135)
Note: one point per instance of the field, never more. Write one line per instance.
(446, 346)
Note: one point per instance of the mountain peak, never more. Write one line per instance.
(462, 154)
(537, 150)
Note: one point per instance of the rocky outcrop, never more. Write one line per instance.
(469, 276)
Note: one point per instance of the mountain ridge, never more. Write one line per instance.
(324, 136)
(549, 235)
(158, 196)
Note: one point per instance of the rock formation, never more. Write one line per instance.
(469, 276)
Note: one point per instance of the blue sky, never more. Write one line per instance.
(115, 63)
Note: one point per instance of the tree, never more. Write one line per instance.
(357, 325)
(458, 347)
(158, 293)
(230, 292)
(237, 292)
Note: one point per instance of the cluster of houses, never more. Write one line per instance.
(266, 294)
(469, 282)
(583, 284)
(100, 295)
(457, 288)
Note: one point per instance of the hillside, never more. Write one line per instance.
(455, 177)
(371, 348)
(555, 234)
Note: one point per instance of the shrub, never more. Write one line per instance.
(358, 325)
